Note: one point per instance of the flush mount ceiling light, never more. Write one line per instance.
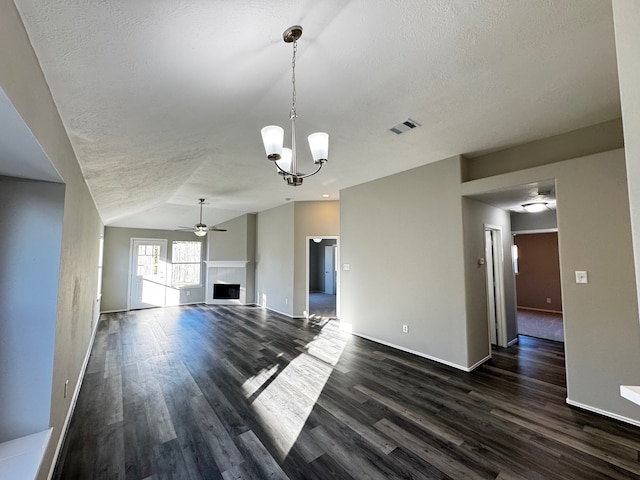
(273, 136)
(535, 207)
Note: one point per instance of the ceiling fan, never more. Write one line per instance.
(200, 229)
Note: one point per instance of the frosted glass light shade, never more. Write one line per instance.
(200, 233)
(285, 161)
(535, 207)
(273, 138)
(319, 145)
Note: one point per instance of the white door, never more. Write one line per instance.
(329, 270)
(491, 287)
(147, 287)
(495, 286)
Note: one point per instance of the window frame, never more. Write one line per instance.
(174, 263)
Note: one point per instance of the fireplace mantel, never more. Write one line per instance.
(226, 263)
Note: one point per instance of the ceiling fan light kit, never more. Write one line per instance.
(273, 135)
(200, 229)
(535, 207)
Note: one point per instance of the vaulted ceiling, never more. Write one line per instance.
(164, 100)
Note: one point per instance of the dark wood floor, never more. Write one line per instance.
(236, 392)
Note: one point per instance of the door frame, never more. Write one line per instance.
(496, 262)
(337, 261)
(131, 242)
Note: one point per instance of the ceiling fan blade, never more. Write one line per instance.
(185, 228)
(215, 229)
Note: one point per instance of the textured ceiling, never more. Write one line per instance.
(164, 100)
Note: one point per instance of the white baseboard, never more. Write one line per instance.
(512, 342)
(282, 313)
(420, 354)
(603, 412)
(74, 400)
(113, 311)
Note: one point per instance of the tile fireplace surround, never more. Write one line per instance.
(227, 272)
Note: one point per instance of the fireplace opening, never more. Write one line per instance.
(226, 291)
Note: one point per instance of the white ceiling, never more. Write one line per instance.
(164, 100)
(513, 198)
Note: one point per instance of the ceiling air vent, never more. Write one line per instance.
(405, 126)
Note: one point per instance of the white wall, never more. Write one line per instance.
(402, 237)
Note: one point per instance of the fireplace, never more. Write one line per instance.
(229, 282)
(226, 291)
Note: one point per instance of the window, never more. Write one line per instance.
(186, 258)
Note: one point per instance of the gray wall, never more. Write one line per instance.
(28, 302)
(311, 219)
(237, 243)
(281, 249)
(274, 259)
(402, 237)
(475, 216)
(316, 263)
(117, 252)
(601, 137)
(602, 338)
(527, 222)
(626, 16)
(23, 83)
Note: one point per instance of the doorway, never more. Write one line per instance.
(322, 277)
(147, 273)
(538, 287)
(496, 311)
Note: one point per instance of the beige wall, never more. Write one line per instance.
(602, 338)
(23, 83)
(402, 237)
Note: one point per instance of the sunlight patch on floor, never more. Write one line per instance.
(286, 403)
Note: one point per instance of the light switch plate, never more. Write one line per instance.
(346, 266)
(581, 276)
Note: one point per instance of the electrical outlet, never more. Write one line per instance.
(548, 300)
(188, 292)
(286, 301)
(405, 328)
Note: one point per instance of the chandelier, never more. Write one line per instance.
(273, 135)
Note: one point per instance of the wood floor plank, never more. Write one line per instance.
(232, 392)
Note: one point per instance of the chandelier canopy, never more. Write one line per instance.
(273, 135)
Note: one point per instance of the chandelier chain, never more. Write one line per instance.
(293, 114)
